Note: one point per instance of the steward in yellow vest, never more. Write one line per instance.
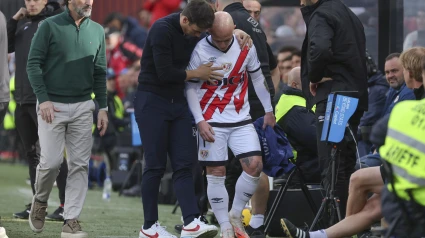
(299, 124)
(404, 156)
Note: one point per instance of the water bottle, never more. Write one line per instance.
(107, 189)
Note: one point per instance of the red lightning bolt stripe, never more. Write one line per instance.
(216, 102)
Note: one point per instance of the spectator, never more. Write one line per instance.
(128, 27)
(399, 91)
(296, 59)
(25, 112)
(160, 8)
(416, 38)
(120, 55)
(284, 65)
(64, 70)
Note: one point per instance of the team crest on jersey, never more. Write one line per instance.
(204, 154)
(227, 67)
(39, 24)
(253, 21)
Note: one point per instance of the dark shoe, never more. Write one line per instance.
(257, 233)
(56, 215)
(135, 191)
(37, 215)
(292, 231)
(72, 229)
(179, 228)
(24, 214)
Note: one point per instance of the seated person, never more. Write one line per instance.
(298, 123)
(399, 91)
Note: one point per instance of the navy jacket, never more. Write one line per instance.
(394, 96)
(378, 89)
(275, 148)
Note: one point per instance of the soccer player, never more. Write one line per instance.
(221, 111)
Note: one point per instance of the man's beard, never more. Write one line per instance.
(82, 11)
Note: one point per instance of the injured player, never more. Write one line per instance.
(221, 112)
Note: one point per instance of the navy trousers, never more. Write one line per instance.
(166, 128)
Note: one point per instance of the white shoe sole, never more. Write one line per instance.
(209, 233)
(29, 219)
(3, 233)
(74, 235)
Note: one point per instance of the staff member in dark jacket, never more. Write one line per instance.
(163, 116)
(25, 114)
(334, 59)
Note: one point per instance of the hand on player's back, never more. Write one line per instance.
(207, 72)
(206, 131)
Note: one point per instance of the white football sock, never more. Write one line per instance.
(318, 234)
(256, 221)
(245, 188)
(219, 200)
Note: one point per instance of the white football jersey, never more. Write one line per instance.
(226, 102)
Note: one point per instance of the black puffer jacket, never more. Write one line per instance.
(19, 41)
(334, 47)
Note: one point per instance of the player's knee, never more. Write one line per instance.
(254, 167)
(218, 171)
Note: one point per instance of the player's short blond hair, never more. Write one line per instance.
(411, 60)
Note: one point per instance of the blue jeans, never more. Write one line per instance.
(370, 160)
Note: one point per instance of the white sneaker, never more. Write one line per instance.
(3, 233)
(197, 228)
(238, 227)
(156, 231)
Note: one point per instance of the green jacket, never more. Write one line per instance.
(66, 63)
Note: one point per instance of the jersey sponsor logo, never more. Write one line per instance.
(212, 59)
(228, 81)
(253, 21)
(211, 105)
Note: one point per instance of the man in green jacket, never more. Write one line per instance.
(66, 64)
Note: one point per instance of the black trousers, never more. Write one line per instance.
(346, 155)
(27, 127)
(166, 128)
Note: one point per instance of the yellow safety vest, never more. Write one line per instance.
(9, 118)
(286, 103)
(404, 150)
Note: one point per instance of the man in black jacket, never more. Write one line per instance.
(19, 41)
(334, 59)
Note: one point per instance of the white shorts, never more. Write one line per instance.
(243, 141)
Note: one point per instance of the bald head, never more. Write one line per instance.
(222, 30)
(294, 78)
